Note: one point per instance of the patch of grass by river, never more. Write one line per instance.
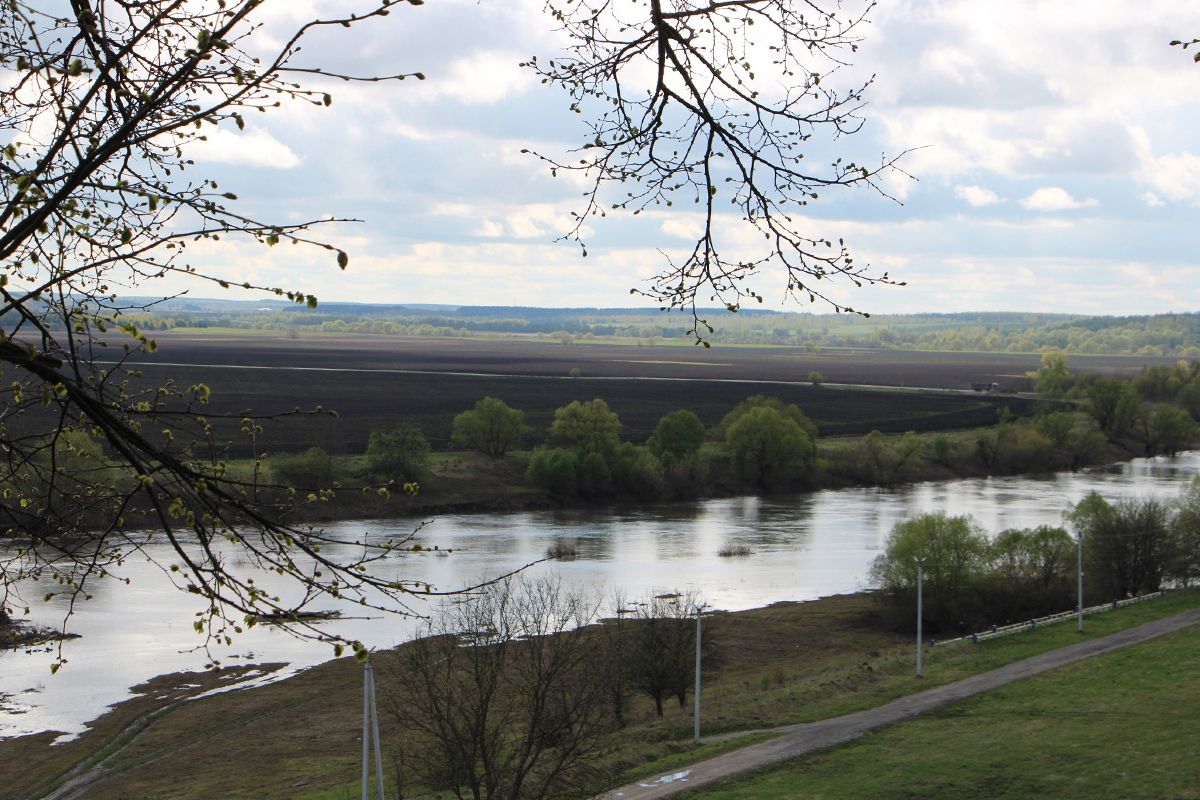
(299, 738)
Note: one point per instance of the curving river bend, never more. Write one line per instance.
(802, 547)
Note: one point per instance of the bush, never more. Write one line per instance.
(553, 470)
(589, 426)
(492, 428)
(311, 469)
(638, 472)
(399, 454)
(768, 448)
(816, 378)
(676, 436)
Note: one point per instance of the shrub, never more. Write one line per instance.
(562, 550)
(554, 470)
(816, 378)
(638, 472)
(731, 550)
(492, 428)
(399, 454)
(311, 469)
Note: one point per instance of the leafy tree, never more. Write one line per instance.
(789, 410)
(816, 378)
(1184, 565)
(589, 426)
(1073, 435)
(1168, 429)
(955, 556)
(1127, 545)
(492, 428)
(1114, 404)
(677, 435)
(1053, 379)
(768, 448)
(398, 454)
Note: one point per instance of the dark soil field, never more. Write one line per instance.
(376, 381)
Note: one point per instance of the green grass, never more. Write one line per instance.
(1123, 725)
(845, 688)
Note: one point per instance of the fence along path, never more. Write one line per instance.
(798, 740)
(1050, 619)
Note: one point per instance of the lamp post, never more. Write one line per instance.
(370, 731)
(699, 609)
(920, 613)
(1079, 571)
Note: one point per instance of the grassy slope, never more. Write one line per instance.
(1120, 726)
(299, 738)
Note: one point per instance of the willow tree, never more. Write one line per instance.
(101, 100)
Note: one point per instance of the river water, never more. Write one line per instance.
(802, 547)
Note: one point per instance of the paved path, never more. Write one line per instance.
(805, 738)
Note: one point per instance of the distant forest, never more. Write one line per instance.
(1158, 335)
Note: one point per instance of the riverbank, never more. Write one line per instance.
(464, 482)
(299, 738)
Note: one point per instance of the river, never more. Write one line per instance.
(802, 547)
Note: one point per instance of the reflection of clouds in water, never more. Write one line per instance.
(802, 547)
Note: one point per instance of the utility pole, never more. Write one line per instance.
(370, 730)
(699, 608)
(920, 613)
(1079, 570)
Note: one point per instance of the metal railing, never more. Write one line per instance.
(1029, 625)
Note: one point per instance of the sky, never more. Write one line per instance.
(1053, 149)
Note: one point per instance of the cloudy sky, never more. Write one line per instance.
(1055, 155)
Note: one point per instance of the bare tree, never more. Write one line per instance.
(715, 103)
(503, 695)
(97, 196)
(660, 645)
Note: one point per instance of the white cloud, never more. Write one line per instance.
(1177, 176)
(489, 229)
(681, 228)
(1152, 200)
(254, 148)
(482, 78)
(1055, 198)
(976, 196)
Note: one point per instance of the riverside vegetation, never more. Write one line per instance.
(762, 445)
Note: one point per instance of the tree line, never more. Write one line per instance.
(1130, 547)
(762, 444)
(1154, 335)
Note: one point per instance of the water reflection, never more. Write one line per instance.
(801, 547)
